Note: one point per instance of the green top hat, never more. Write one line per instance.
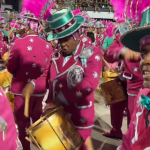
(91, 24)
(63, 23)
(131, 39)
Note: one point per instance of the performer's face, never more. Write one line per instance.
(98, 30)
(68, 44)
(90, 29)
(145, 65)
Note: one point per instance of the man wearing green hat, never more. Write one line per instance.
(74, 73)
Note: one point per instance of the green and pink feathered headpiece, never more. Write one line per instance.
(38, 9)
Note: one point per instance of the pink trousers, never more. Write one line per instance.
(85, 133)
(35, 111)
(116, 112)
(131, 103)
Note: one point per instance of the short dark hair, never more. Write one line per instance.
(91, 36)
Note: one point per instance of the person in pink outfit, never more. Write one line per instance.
(133, 76)
(137, 135)
(100, 35)
(8, 133)
(27, 61)
(73, 74)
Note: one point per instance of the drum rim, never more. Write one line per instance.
(42, 119)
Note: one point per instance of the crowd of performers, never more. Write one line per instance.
(66, 53)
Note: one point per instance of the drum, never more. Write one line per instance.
(11, 100)
(113, 92)
(55, 131)
(108, 75)
(5, 78)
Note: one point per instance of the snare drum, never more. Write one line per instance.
(108, 75)
(5, 78)
(113, 92)
(55, 131)
(11, 100)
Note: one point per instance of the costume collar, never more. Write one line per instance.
(73, 53)
(33, 34)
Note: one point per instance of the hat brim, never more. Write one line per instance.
(31, 18)
(72, 29)
(131, 39)
(50, 37)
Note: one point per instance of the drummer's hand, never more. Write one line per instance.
(130, 55)
(114, 70)
(49, 107)
(27, 91)
(11, 34)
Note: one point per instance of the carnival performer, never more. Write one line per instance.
(84, 27)
(99, 34)
(5, 76)
(111, 32)
(27, 61)
(8, 133)
(137, 136)
(131, 73)
(74, 73)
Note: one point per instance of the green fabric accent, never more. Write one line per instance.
(84, 62)
(24, 20)
(18, 36)
(145, 101)
(145, 17)
(91, 24)
(107, 42)
(50, 36)
(6, 33)
(147, 121)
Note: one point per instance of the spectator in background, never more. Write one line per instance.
(91, 3)
(84, 5)
(96, 6)
(109, 6)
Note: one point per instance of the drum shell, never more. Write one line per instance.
(55, 131)
(113, 92)
(108, 76)
(5, 78)
(11, 100)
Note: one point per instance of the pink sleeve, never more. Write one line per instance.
(42, 83)
(91, 73)
(128, 136)
(112, 54)
(13, 60)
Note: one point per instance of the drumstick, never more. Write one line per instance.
(89, 144)
(13, 28)
(26, 109)
(106, 62)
